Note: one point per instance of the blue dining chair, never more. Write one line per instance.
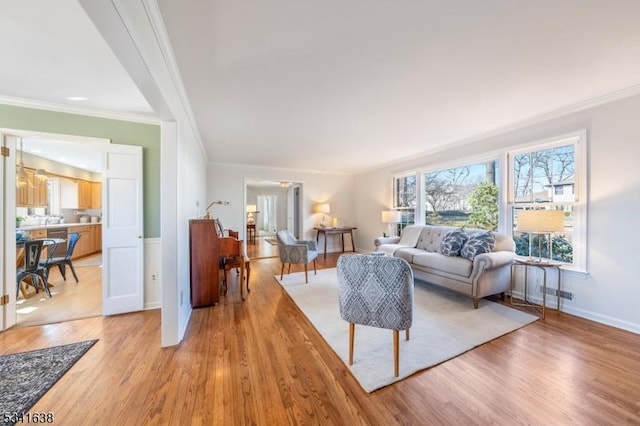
(62, 262)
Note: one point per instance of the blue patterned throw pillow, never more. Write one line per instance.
(453, 242)
(478, 243)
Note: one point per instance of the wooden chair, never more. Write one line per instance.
(232, 256)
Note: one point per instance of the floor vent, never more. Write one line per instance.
(554, 292)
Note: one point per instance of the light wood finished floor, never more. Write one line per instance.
(70, 300)
(261, 362)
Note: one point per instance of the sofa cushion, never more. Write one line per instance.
(410, 236)
(431, 237)
(478, 243)
(453, 242)
(454, 265)
(407, 253)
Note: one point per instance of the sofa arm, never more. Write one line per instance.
(386, 240)
(486, 261)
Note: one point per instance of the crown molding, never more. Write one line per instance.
(518, 125)
(72, 109)
(154, 15)
(276, 168)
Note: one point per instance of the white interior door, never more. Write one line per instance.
(7, 233)
(122, 230)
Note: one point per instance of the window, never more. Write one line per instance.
(462, 196)
(404, 199)
(550, 176)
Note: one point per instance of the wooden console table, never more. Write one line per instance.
(331, 231)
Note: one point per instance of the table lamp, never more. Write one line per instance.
(325, 209)
(252, 210)
(540, 222)
(391, 217)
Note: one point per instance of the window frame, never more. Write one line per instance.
(579, 204)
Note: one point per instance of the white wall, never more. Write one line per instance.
(227, 182)
(610, 291)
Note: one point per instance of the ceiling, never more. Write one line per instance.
(339, 86)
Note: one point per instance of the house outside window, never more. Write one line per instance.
(551, 175)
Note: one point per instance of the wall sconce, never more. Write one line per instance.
(325, 209)
(391, 217)
(220, 202)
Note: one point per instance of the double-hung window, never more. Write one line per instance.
(551, 175)
(405, 195)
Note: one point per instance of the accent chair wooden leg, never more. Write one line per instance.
(289, 269)
(352, 332)
(314, 268)
(407, 333)
(282, 272)
(306, 278)
(396, 352)
(475, 302)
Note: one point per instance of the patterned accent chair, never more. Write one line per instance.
(376, 290)
(292, 250)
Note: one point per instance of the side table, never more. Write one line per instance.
(542, 265)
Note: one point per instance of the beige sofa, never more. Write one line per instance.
(484, 275)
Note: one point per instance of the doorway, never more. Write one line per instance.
(278, 205)
(108, 290)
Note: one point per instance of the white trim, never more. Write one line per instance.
(580, 205)
(274, 168)
(57, 136)
(541, 118)
(164, 44)
(73, 109)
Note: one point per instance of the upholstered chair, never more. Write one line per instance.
(376, 290)
(292, 250)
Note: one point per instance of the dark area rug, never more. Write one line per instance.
(26, 376)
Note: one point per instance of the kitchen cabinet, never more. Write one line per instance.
(84, 245)
(84, 194)
(34, 194)
(68, 193)
(96, 195)
(96, 238)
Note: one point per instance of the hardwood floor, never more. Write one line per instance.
(261, 362)
(69, 301)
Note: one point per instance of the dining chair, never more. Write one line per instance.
(62, 262)
(377, 291)
(32, 268)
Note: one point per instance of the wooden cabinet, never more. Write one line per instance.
(205, 269)
(84, 194)
(34, 194)
(96, 195)
(84, 245)
(96, 238)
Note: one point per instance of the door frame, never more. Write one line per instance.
(8, 266)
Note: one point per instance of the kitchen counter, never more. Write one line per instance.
(55, 225)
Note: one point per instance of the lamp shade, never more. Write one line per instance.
(541, 221)
(252, 208)
(323, 208)
(391, 216)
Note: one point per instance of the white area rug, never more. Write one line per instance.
(445, 325)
